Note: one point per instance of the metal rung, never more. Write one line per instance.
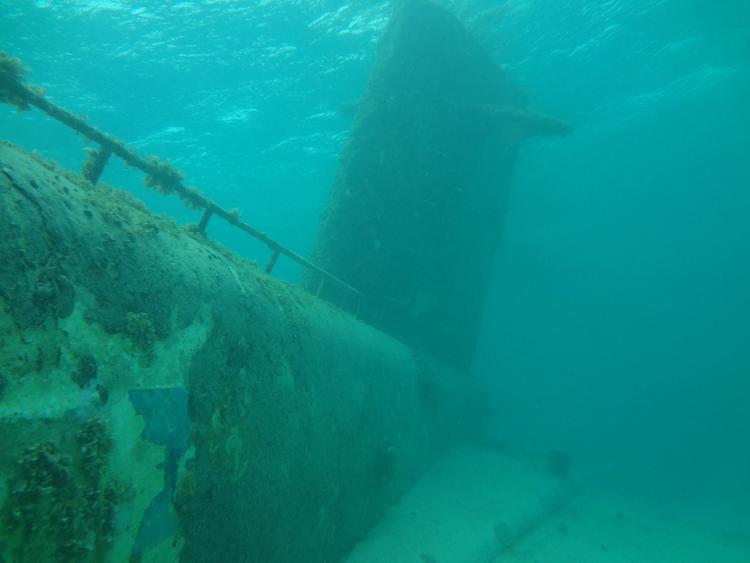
(272, 261)
(205, 218)
(93, 166)
(161, 176)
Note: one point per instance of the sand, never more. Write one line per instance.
(479, 505)
(468, 507)
(614, 529)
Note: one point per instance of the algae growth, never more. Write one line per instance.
(58, 506)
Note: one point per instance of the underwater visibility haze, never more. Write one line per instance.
(543, 207)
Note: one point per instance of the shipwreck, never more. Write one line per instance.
(162, 399)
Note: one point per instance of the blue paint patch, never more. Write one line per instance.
(165, 413)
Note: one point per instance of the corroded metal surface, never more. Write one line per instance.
(162, 399)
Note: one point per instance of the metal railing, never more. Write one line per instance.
(160, 175)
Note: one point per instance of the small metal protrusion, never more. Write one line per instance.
(272, 261)
(320, 286)
(93, 166)
(207, 213)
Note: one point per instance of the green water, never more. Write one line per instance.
(616, 323)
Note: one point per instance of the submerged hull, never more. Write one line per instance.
(162, 399)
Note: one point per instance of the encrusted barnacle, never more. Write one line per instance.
(59, 506)
(94, 445)
(234, 215)
(140, 329)
(85, 370)
(163, 177)
(192, 197)
(12, 72)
